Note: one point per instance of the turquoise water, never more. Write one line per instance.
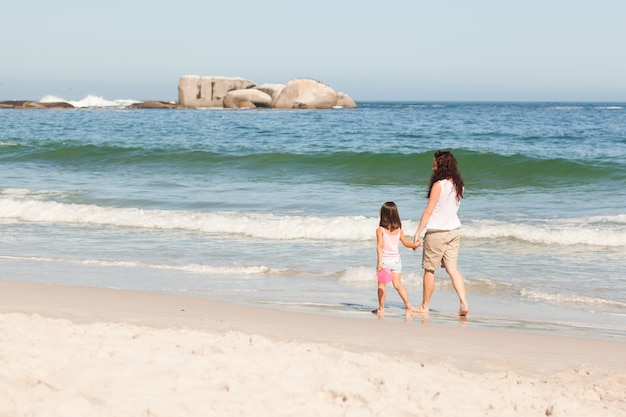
(279, 208)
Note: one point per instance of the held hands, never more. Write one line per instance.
(417, 242)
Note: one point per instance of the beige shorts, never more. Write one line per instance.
(441, 248)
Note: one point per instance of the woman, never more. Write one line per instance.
(441, 223)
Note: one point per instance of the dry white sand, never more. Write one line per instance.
(74, 351)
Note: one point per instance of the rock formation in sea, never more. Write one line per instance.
(230, 92)
(299, 93)
(27, 104)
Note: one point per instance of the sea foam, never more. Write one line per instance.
(584, 231)
(189, 267)
(572, 299)
(90, 101)
(20, 206)
(263, 226)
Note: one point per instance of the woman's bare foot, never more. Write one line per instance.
(463, 311)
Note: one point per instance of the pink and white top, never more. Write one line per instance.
(390, 243)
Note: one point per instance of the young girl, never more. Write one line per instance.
(389, 266)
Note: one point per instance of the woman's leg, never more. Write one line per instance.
(450, 262)
(431, 259)
(459, 286)
(428, 289)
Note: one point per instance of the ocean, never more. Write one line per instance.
(279, 208)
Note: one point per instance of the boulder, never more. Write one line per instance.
(248, 98)
(154, 105)
(271, 89)
(55, 105)
(11, 104)
(196, 91)
(305, 93)
(345, 101)
(25, 104)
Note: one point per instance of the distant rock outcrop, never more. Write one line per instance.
(26, 104)
(230, 92)
(301, 93)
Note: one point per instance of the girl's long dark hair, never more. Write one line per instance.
(389, 216)
(447, 168)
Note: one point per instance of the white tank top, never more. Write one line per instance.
(445, 216)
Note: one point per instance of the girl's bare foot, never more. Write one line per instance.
(463, 311)
(379, 311)
(420, 309)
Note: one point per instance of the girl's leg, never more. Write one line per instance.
(459, 286)
(382, 293)
(397, 284)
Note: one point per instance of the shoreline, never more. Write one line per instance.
(86, 305)
(122, 352)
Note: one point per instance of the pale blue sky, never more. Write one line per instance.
(526, 50)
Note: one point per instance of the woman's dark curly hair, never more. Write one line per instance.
(446, 168)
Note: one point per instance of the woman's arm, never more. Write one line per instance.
(435, 193)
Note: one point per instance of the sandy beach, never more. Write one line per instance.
(78, 351)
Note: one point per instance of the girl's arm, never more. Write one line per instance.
(406, 242)
(379, 249)
(435, 193)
